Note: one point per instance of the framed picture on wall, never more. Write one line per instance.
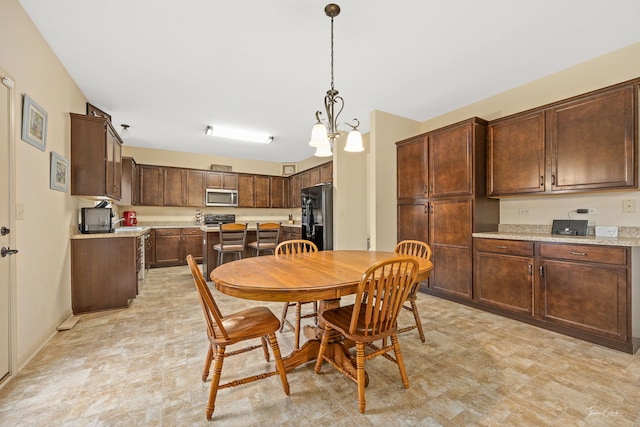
(288, 169)
(34, 123)
(59, 173)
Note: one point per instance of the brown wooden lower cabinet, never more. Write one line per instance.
(172, 245)
(104, 273)
(290, 233)
(579, 290)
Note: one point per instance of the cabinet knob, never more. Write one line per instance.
(541, 181)
(502, 247)
(578, 253)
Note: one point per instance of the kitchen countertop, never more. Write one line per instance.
(145, 226)
(627, 236)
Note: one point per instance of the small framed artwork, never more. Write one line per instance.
(34, 123)
(59, 173)
(288, 170)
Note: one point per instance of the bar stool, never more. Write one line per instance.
(233, 239)
(267, 236)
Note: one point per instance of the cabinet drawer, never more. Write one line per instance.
(588, 253)
(167, 231)
(191, 231)
(510, 247)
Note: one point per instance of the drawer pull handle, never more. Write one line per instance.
(502, 247)
(578, 253)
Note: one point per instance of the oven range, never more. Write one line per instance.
(214, 219)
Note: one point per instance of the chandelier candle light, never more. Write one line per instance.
(324, 137)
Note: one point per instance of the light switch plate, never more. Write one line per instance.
(606, 231)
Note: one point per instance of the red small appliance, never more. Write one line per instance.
(130, 219)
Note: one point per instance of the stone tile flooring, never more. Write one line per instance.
(142, 366)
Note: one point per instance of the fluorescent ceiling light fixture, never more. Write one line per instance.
(239, 134)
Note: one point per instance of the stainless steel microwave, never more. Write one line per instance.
(220, 197)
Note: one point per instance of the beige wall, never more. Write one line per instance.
(42, 290)
(386, 129)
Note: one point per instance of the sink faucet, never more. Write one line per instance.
(114, 224)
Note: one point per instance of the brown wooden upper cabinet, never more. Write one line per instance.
(584, 143)
(279, 192)
(151, 181)
(183, 187)
(96, 157)
(254, 191)
(226, 180)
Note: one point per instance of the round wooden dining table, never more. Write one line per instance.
(323, 276)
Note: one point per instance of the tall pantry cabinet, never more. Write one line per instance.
(442, 199)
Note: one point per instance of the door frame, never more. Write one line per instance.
(11, 175)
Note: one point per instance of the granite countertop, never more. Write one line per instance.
(125, 232)
(627, 236)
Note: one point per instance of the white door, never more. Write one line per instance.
(5, 231)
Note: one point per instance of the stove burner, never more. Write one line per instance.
(219, 218)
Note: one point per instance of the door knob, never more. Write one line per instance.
(7, 251)
(4, 231)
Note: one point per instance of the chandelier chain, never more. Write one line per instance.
(332, 87)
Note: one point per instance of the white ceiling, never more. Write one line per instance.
(168, 68)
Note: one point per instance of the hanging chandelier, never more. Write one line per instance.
(323, 137)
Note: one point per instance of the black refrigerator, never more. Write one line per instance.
(317, 215)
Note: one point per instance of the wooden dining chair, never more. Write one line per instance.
(382, 291)
(233, 239)
(267, 237)
(222, 331)
(421, 250)
(296, 246)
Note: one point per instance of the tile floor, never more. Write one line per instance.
(142, 366)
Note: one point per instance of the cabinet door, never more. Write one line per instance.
(314, 176)
(230, 181)
(262, 192)
(214, 180)
(412, 168)
(246, 191)
(450, 240)
(583, 296)
(451, 162)
(151, 185)
(279, 192)
(194, 188)
(592, 142)
(413, 222)
(192, 240)
(173, 187)
(168, 249)
(504, 280)
(516, 155)
(129, 182)
(113, 156)
(326, 172)
(295, 200)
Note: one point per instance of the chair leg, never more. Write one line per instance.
(207, 363)
(400, 360)
(315, 310)
(323, 347)
(360, 375)
(284, 316)
(265, 349)
(414, 310)
(215, 381)
(297, 330)
(279, 363)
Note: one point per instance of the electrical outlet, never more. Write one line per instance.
(629, 206)
(524, 212)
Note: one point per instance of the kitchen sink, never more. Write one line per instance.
(129, 229)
